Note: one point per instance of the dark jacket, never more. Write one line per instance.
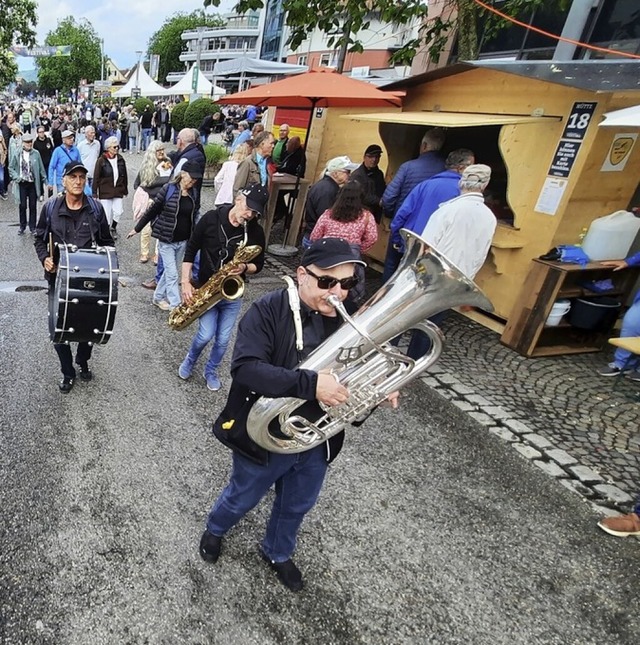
(163, 213)
(294, 163)
(216, 249)
(409, 175)
(102, 185)
(45, 148)
(372, 182)
(322, 195)
(93, 227)
(263, 364)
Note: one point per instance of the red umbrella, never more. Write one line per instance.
(320, 87)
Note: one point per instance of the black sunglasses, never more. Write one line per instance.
(328, 282)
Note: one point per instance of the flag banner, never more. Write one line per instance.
(38, 52)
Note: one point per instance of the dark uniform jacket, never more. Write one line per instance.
(216, 247)
(264, 364)
(83, 228)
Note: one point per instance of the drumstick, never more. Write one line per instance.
(51, 245)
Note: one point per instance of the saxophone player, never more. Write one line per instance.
(217, 236)
(278, 330)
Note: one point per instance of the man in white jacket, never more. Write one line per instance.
(462, 228)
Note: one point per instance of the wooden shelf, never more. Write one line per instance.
(547, 282)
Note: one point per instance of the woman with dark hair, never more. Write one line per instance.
(351, 221)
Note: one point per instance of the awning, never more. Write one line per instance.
(449, 119)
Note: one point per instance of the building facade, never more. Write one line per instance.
(607, 24)
(240, 36)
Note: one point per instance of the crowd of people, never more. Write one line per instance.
(437, 196)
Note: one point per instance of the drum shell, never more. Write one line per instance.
(85, 296)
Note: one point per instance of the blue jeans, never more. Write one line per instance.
(630, 327)
(391, 261)
(217, 323)
(298, 479)
(146, 138)
(168, 289)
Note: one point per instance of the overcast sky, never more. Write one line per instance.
(125, 25)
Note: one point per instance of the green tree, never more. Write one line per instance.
(17, 22)
(166, 42)
(64, 73)
(341, 20)
(177, 116)
(197, 110)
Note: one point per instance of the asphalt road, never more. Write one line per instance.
(428, 530)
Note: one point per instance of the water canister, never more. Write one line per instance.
(610, 237)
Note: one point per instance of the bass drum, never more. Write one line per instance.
(83, 303)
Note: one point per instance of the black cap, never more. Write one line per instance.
(257, 197)
(73, 165)
(373, 150)
(194, 169)
(330, 252)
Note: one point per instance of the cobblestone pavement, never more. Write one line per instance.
(556, 411)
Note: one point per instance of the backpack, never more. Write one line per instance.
(54, 204)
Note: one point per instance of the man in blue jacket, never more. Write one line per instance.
(422, 202)
(268, 347)
(61, 156)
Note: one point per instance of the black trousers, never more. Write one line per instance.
(28, 195)
(83, 354)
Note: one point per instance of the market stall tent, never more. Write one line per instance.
(140, 79)
(205, 87)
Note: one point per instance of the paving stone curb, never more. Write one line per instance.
(583, 480)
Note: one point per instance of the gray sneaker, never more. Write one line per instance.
(634, 376)
(610, 370)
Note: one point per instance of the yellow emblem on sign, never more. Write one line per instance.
(620, 148)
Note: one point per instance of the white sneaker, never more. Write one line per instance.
(162, 304)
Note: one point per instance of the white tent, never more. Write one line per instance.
(140, 79)
(205, 87)
(247, 65)
(626, 118)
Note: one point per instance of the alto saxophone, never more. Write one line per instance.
(220, 286)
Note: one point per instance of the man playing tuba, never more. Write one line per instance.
(270, 343)
(217, 236)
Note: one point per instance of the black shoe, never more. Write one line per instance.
(20, 231)
(85, 373)
(288, 574)
(210, 546)
(66, 385)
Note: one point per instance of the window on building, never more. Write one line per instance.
(325, 59)
(617, 26)
(302, 60)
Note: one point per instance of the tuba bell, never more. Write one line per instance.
(360, 354)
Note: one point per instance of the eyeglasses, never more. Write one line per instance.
(328, 282)
(115, 147)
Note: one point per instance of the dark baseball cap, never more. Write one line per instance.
(194, 169)
(330, 252)
(73, 166)
(257, 197)
(373, 150)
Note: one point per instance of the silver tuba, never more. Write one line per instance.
(359, 353)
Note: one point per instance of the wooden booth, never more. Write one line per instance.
(553, 169)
